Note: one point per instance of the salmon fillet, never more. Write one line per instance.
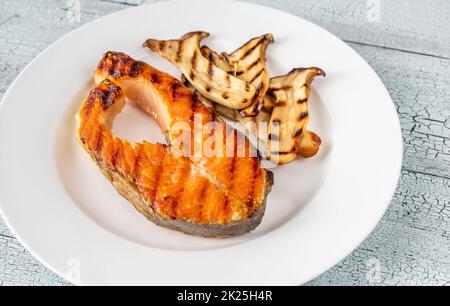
(177, 185)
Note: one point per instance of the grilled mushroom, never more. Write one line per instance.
(211, 81)
(247, 63)
(306, 146)
(290, 113)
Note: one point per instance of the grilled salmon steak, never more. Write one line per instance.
(180, 186)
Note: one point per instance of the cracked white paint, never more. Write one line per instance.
(412, 241)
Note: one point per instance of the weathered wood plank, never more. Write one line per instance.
(27, 27)
(420, 88)
(410, 25)
(18, 267)
(411, 243)
(422, 30)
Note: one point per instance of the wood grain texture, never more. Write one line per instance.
(411, 244)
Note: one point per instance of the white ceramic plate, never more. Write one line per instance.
(69, 216)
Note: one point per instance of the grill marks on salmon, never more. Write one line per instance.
(201, 195)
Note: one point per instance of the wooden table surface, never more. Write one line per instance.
(406, 42)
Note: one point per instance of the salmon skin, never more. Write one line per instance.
(177, 186)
